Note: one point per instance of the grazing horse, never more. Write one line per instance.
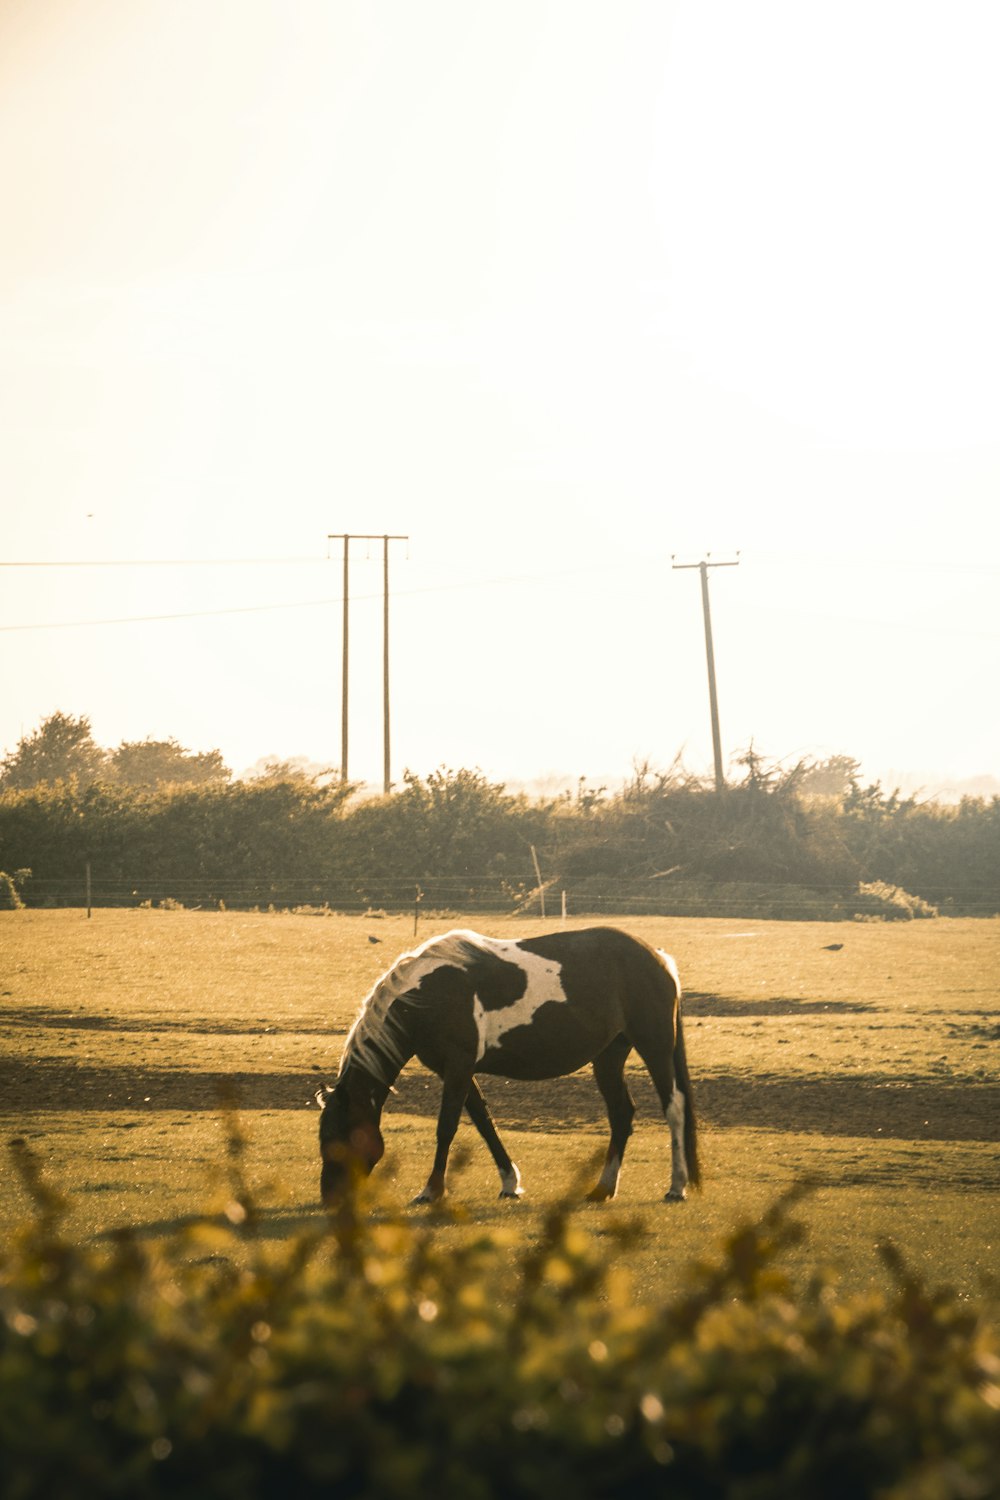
(531, 1008)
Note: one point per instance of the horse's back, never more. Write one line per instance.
(600, 984)
(603, 958)
(524, 1007)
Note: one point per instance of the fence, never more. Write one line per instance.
(588, 896)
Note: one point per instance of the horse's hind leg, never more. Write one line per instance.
(609, 1074)
(655, 1045)
(479, 1114)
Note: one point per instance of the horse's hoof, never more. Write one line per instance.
(513, 1197)
(673, 1197)
(600, 1194)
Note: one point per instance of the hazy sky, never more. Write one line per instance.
(558, 290)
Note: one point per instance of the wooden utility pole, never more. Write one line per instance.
(386, 778)
(347, 538)
(713, 697)
(344, 668)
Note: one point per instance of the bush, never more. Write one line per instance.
(377, 1357)
(876, 899)
(10, 895)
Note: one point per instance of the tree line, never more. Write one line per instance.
(63, 748)
(155, 822)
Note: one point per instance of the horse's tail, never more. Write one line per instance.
(683, 1078)
(681, 1075)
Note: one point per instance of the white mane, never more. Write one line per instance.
(373, 1037)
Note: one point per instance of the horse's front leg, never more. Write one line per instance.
(453, 1096)
(479, 1114)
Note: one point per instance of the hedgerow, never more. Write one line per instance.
(375, 1356)
(669, 844)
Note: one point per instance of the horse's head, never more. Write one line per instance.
(350, 1141)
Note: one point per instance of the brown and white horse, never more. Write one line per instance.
(530, 1008)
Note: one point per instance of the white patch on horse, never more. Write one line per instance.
(544, 985)
(510, 1183)
(678, 1159)
(371, 1039)
(670, 964)
(608, 1180)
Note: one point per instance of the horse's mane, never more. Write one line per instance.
(374, 1038)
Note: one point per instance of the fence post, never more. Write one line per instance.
(87, 881)
(538, 878)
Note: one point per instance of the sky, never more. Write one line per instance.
(563, 293)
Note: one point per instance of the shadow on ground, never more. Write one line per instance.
(859, 1105)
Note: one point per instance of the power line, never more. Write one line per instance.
(196, 614)
(927, 627)
(824, 559)
(249, 609)
(163, 562)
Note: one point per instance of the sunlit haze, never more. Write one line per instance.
(560, 292)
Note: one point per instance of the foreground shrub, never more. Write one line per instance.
(374, 1356)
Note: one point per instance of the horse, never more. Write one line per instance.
(532, 1008)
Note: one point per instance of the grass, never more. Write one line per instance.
(869, 1067)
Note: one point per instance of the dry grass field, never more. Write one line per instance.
(860, 1055)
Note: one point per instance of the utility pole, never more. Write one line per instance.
(713, 697)
(386, 778)
(344, 669)
(347, 538)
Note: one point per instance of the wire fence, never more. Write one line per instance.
(454, 895)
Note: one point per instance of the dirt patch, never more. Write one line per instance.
(48, 1019)
(699, 1003)
(859, 1106)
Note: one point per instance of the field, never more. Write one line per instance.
(862, 1056)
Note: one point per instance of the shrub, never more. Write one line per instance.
(373, 1356)
(10, 895)
(876, 899)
